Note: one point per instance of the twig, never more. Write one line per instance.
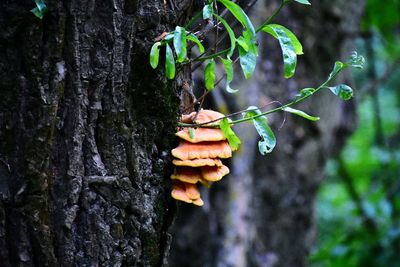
(276, 12)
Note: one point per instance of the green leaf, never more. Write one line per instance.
(194, 39)
(356, 61)
(243, 43)
(229, 74)
(36, 11)
(343, 91)
(40, 9)
(191, 133)
(304, 2)
(230, 33)
(339, 66)
(251, 42)
(209, 75)
(228, 68)
(305, 92)
(169, 62)
(233, 140)
(268, 142)
(298, 48)
(180, 43)
(248, 61)
(301, 114)
(239, 14)
(207, 11)
(169, 37)
(287, 41)
(154, 55)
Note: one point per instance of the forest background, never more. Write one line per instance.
(86, 129)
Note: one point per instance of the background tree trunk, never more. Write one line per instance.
(86, 127)
(262, 213)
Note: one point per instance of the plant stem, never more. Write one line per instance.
(209, 56)
(276, 12)
(204, 124)
(323, 85)
(194, 19)
(275, 109)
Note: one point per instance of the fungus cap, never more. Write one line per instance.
(198, 202)
(186, 192)
(179, 193)
(188, 118)
(204, 115)
(203, 150)
(197, 162)
(214, 173)
(187, 175)
(192, 191)
(201, 135)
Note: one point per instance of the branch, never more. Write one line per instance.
(355, 196)
(300, 99)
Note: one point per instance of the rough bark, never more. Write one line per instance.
(262, 214)
(85, 132)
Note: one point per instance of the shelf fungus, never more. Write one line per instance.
(198, 156)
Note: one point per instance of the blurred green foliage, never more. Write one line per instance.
(358, 206)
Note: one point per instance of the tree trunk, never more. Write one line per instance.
(262, 214)
(86, 127)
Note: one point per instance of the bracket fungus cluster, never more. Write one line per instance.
(198, 157)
